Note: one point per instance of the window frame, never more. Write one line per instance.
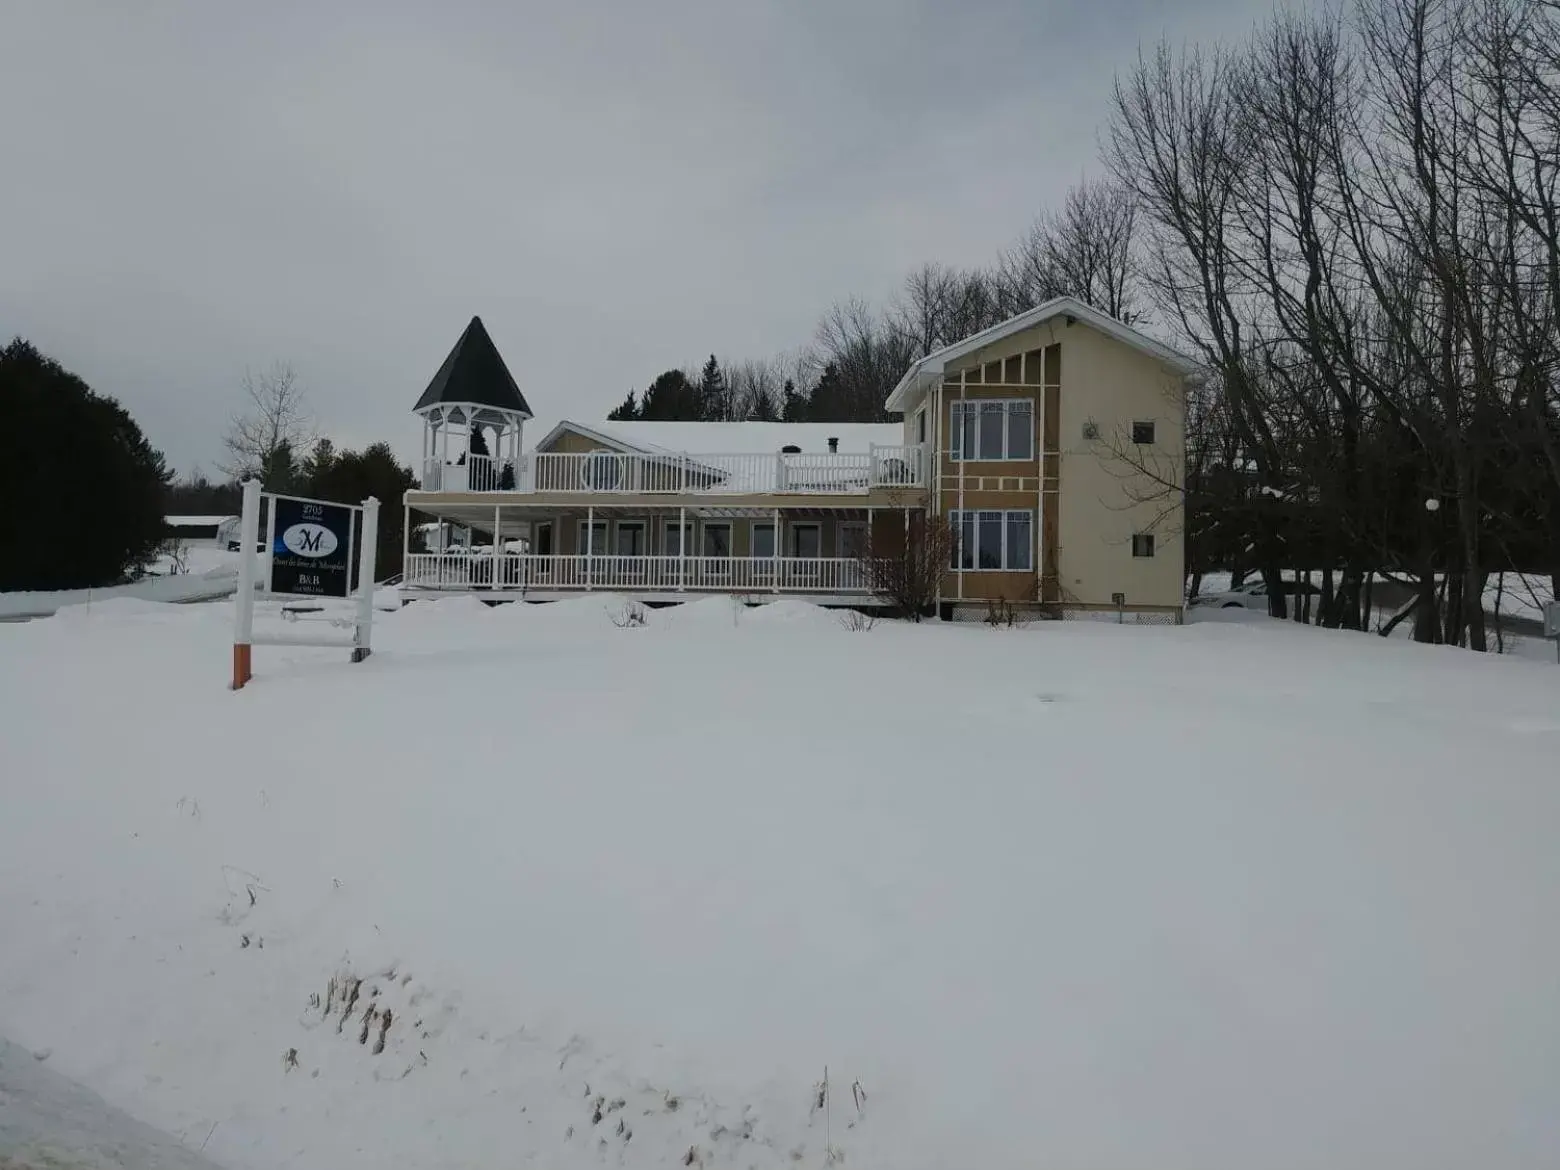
(976, 516)
(1153, 432)
(754, 529)
(668, 527)
(1149, 543)
(962, 412)
(584, 545)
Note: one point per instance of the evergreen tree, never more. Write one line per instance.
(352, 477)
(478, 444)
(829, 401)
(671, 397)
(714, 397)
(627, 411)
(764, 408)
(279, 470)
(793, 405)
(93, 525)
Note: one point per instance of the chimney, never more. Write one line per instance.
(834, 446)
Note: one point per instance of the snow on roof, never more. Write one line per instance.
(195, 521)
(738, 438)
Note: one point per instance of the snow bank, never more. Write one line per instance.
(527, 888)
(50, 1123)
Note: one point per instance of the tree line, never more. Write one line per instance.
(1351, 217)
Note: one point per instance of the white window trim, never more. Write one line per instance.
(956, 518)
(973, 406)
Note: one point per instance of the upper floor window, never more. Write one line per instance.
(920, 425)
(1143, 431)
(993, 429)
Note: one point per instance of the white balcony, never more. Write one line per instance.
(524, 573)
(614, 473)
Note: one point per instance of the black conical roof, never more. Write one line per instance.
(475, 373)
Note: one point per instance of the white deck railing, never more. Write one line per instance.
(683, 473)
(523, 571)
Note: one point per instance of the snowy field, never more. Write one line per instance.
(530, 889)
(208, 573)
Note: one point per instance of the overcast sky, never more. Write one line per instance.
(187, 190)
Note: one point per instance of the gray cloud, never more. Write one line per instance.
(190, 189)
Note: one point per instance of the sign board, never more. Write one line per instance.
(1552, 619)
(311, 548)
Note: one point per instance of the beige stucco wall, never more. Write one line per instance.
(1102, 500)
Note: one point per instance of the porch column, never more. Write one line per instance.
(776, 552)
(406, 543)
(863, 574)
(498, 546)
(444, 456)
(682, 547)
(590, 543)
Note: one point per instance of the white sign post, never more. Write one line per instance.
(309, 559)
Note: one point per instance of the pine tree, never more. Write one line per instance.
(828, 402)
(793, 405)
(478, 444)
(671, 397)
(713, 395)
(627, 411)
(115, 490)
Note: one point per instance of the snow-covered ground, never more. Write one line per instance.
(1239, 894)
(208, 573)
(48, 1122)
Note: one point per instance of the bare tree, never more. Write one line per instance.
(273, 427)
(1085, 249)
(908, 572)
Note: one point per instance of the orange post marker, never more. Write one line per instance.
(241, 672)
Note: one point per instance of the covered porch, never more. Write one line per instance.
(659, 554)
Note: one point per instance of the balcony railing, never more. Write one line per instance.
(528, 572)
(682, 473)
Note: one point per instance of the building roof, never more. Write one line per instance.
(732, 438)
(196, 521)
(475, 374)
(935, 363)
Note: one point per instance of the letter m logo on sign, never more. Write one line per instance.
(309, 541)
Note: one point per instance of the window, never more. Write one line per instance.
(998, 540)
(806, 540)
(601, 471)
(993, 429)
(717, 540)
(763, 542)
(596, 543)
(920, 425)
(1143, 431)
(1143, 544)
(631, 538)
(1021, 430)
(852, 539)
(543, 541)
(672, 539)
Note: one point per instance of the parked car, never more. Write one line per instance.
(1252, 595)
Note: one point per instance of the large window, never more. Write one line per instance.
(717, 540)
(673, 539)
(1002, 540)
(763, 542)
(596, 543)
(993, 429)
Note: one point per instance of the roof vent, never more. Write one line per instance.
(790, 449)
(834, 446)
